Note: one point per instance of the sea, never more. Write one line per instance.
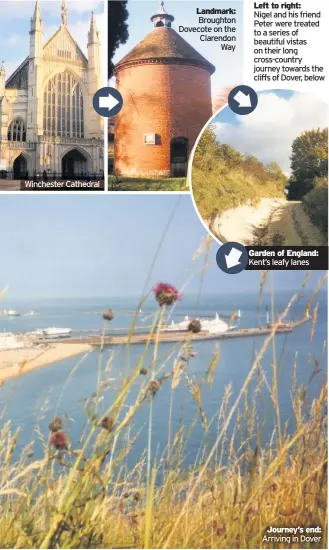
(63, 388)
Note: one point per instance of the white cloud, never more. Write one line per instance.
(84, 6)
(13, 39)
(23, 9)
(269, 131)
(11, 10)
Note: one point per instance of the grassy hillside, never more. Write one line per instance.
(223, 178)
(85, 494)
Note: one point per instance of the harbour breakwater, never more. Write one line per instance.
(181, 336)
(41, 352)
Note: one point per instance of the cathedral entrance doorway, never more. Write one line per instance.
(20, 168)
(74, 165)
(178, 157)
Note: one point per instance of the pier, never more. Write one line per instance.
(175, 336)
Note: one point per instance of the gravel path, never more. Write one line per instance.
(271, 222)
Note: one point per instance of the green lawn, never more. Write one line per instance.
(147, 184)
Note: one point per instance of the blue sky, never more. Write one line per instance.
(228, 65)
(268, 132)
(96, 245)
(15, 18)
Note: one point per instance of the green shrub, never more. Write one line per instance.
(309, 161)
(316, 204)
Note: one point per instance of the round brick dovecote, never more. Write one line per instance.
(165, 85)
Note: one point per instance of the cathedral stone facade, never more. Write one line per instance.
(47, 120)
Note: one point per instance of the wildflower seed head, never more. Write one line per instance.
(194, 326)
(220, 529)
(59, 440)
(108, 315)
(166, 294)
(154, 387)
(56, 424)
(107, 423)
(143, 372)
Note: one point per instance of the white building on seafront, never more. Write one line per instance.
(47, 120)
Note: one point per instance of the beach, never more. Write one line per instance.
(15, 362)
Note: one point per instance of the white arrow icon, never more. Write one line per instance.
(108, 102)
(233, 258)
(242, 99)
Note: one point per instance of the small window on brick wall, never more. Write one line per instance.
(152, 139)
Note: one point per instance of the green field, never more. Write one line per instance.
(118, 183)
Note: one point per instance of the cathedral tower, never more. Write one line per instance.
(94, 77)
(165, 85)
(35, 77)
(3, 109)
(2, 80)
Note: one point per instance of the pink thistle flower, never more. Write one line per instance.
(166, 294)
(59, 440)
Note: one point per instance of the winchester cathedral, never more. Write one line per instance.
(47, 120)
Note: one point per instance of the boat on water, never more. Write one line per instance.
(236, 314)
(13, 313)
(53, 332)
(213, 326)
(31, 313)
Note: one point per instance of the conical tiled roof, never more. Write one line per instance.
(164, 45)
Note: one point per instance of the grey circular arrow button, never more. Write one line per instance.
(242, 100)
(107, 102)
(232, 258)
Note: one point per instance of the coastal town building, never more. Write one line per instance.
(47, 121)
(166, 90)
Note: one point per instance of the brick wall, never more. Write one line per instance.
(164, 99)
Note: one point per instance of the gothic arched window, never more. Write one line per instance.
(17, 130)
(63, 107)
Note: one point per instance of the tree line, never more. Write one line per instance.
(117, 29)
(309, 175)
(211, 155)
(309, 163)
